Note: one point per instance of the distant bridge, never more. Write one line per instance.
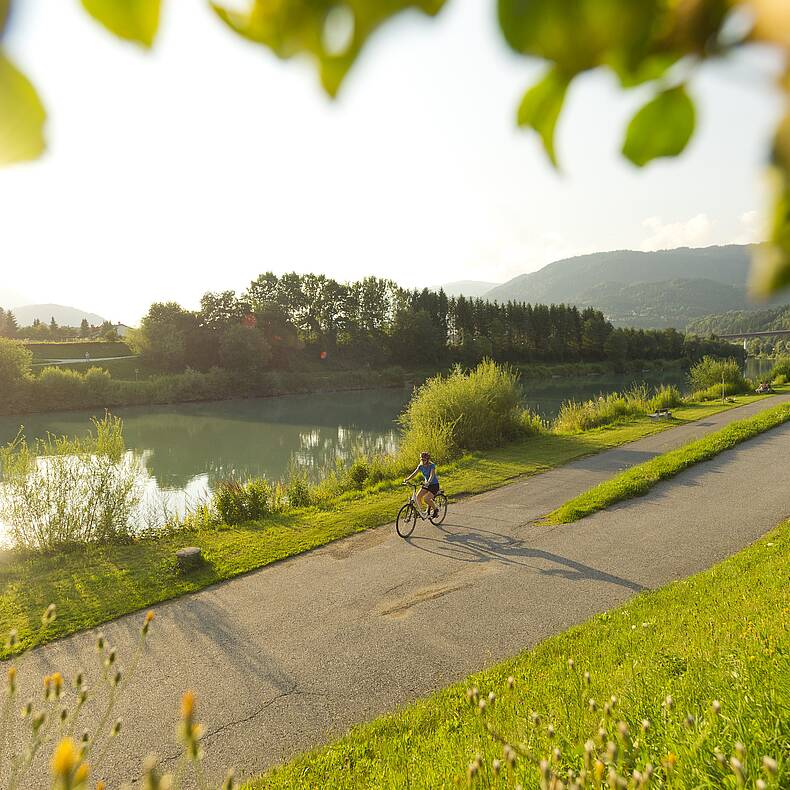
(746, 336)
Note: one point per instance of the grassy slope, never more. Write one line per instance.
(721, 634)
(638, 480)
(94, 584)
(75, 349)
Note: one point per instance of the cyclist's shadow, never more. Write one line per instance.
(475, 545)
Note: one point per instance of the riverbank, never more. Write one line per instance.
(113, 384)
(94, 584)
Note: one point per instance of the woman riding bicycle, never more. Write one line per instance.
(430, 485)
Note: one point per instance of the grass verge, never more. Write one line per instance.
(638, 480)
(94, 584)
(685, 678)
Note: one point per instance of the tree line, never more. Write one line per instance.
(287, 321)
(52, 331)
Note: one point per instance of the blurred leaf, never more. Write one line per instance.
(772, 21)
(581, 34)
(22, 116)
(5, 9)
(307, 27)
(134, 20)
(662, 127)
(540, 108)
(771, 267)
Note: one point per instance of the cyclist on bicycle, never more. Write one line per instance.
(430, 485)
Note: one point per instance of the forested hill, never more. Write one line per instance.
(742, 321)
(643, 289)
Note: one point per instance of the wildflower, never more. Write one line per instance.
(716, 707)
(670, 761)
(49, 615)
(769, 764)
(511, 682)
(11, 674)
(190, 731)
(598, 770)
(66, 762)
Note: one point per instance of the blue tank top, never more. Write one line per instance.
(429, 473)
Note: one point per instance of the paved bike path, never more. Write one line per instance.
(291, 656)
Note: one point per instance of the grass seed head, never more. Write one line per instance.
(737, 769)
(11, 674)
(645, 725)
(770, 765)
(509, 754)
(496, 766)
(760, 784)
(716, 707)
(511, 682)
(13, 639)
(669, 703)
(593, 705)
(49, 615)
(587, 678)
(740, 751)
(550, 730)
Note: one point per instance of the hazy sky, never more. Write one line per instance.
(207, 161)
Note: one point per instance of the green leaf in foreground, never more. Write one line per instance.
(540, 108)
(662, 127)
(134, 20)
(22, 116)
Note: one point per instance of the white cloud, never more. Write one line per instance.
(750, 230)
(695, 232)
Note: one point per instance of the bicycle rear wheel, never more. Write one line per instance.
(440, 503)
(406, 520)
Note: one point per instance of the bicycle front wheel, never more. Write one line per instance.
(406, 520)
(440, 503)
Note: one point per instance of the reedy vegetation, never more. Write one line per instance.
(447, 416)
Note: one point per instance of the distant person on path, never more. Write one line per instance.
(430, 485)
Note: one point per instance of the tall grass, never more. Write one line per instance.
(465, 411)
(606, 409)
(63, 491)
(710, 372)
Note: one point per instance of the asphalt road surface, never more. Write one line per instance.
(291, 656)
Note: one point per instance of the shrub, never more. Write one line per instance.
(463, 411)
(780, 380)
(15, 362)
(666, 397)
(297, 488)
(70, 491)
(238, 503)
(709, 372)
(358, 472)
(781, 368)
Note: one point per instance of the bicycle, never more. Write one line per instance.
(410, 512)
